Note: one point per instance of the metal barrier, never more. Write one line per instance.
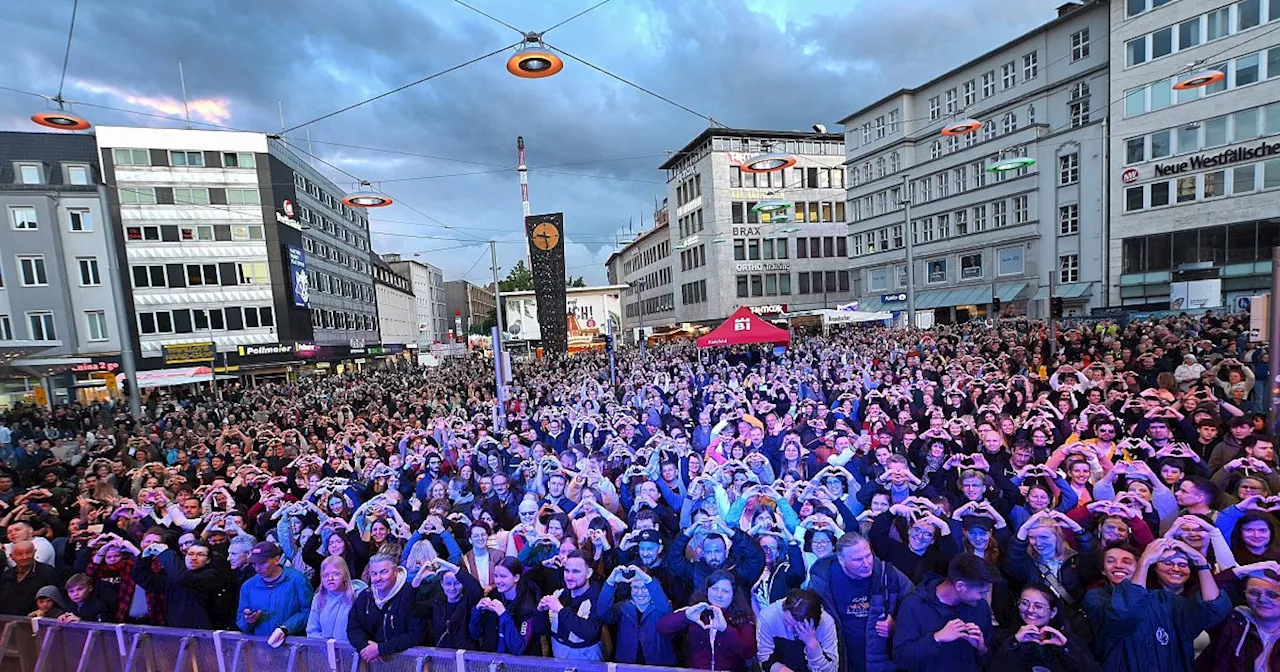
(44, 645)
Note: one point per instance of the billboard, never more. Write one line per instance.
(298, 277)
(1195, 294)
(587, 313)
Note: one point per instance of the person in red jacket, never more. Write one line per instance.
(1250, 636)
(719, 624)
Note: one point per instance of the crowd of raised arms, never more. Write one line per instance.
(960, 498)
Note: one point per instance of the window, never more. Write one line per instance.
(1162, 42)
(89, 273)
(1010, 123)
(1069, 268)
(951, 101)
(239, 160)
(1189, 33)
(1009, 261)
(1069, 219)
(137, 195)
(1247, 70)
(40, 324)
(1080, 45)
(879, 128)
(1030, 65)
(131, 157)
(878, 280)
(970, 93)
(1186, 188)
(962, 221)
(202, 275)
(1136, 51)
(1215, 132)
(186, 159)
(1135, 150)
(97, 320)
(202, 232)
(1133, 199)
(252, 274)
(893, 128)
(935, 149)
(1021, 210)
(979, 218)
(23, 218)
(1069, 169)
(866, 134)
(78, 175)
(191, 196)
(160, 322)
(243, 197)
(80, 220)
(970, 266)
(149, 277)
(989, 84)
(1248, 14)
(1188, 139)
(33, 271)
(1244, 179)
(935, 108)
(944, 226)
(1215, 184)
(1247, 124)
(31, 173)
(243, 232)
(1079, 112)
(6, 328)
(998, 216)
(1008, 75)
(936, 271)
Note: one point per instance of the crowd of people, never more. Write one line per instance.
(966, 497)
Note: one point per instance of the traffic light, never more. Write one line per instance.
(608, 342)
(995, 304)
(1055, 307)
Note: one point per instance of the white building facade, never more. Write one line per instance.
(397, 309)
(431, 322)
(980, 236)
(1195, 173)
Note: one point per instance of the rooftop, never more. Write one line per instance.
(706, 136)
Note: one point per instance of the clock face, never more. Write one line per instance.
(545, 236)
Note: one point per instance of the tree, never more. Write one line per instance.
(575, 282)
(519, 279)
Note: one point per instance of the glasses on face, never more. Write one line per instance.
(1259, 594)
(1175, 564)
(1033, 607)
(920, 533)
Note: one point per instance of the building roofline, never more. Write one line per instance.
(569, 290)
(1061, 18)
(746, 133)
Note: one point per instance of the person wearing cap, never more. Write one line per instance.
(862, 594)
(1247, 641)
(276, 601)
(945, 624)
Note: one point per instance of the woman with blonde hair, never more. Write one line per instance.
(332, 603)
(1039, 553)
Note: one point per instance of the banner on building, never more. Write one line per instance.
(1195, 294)
(298, 278)
(587, 313)
(189, 353)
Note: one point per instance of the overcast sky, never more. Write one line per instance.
(594, 143)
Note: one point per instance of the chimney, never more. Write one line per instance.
(1068, 8)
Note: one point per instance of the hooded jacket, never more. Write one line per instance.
(1237, 646)
(1139, 629)
(389, 620)
(888, 587)
(637, 632)
(921, 615)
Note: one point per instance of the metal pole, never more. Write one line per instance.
(1053, 272)
(1273, 377)
(124, 324)
(613, 377)
(497, 298)
(500, 394)
(911, 258)
(1106, 216)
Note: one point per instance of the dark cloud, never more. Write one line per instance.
(720, 58)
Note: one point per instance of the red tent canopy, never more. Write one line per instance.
(744, 327)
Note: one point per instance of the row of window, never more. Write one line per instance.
(694, 257)
(1196, 31)
(793, 147)
(336, 255)
(1133, 8)
(42, 327)
(311, 188)
(194, 320)
(1216, 132)
(1240, 71)
(755, 249)
(1009, 261)
(183, 159)
(977, 219)
(651, 305)
(743, 212)
(32, 271)
(690, 223)
(693, 292)
(799, 178)
(821, 247)
(1236, 181)
(779, 284)
(218, 274)
(955, 181)
(1243, 242)
(655, 278)
(37, 173)
(318, 221)
(689, 189)
(189, 196)
(323, 318)
(331, 284)
(647, 256)
(24, 218)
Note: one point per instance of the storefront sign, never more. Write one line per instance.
(746, 231)
(266, 349)
(771, 309)
(758, 266)
(1220, 159)
(306, 349)
(1130, 175)
(298, 277)
(686, 172)
(286, 217)
(893, 298)
(98, 364)
(189, 353)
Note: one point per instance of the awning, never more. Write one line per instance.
(1010, 291)
(946, 298)
(744, 327)
(167, 377)
(1073, 290)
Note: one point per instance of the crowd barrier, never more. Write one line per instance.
(44, 645)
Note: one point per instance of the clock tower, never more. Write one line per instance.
(546, 262)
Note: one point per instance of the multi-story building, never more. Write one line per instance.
(229, 239)
(397, 311)
(469, 305)
(979, 235)
(430, 311)
(58, 295)
(725, 254)
(1196, 172)
(644, 266)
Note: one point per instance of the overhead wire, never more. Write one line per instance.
(633, 85)
(66, 56)
(489, 16)
(585, 11)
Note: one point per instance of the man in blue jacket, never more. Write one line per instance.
(861, 593)
(945, 624)
(382, 620)
(722, 548)
(277, 600)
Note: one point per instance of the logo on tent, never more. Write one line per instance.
(742, 324)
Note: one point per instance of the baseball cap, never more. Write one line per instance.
(969, 522)
(263, 551)
(651, 536)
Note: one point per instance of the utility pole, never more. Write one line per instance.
(499, 379)
(911, 259)
(124, 319)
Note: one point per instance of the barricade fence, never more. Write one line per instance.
(44, 645)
